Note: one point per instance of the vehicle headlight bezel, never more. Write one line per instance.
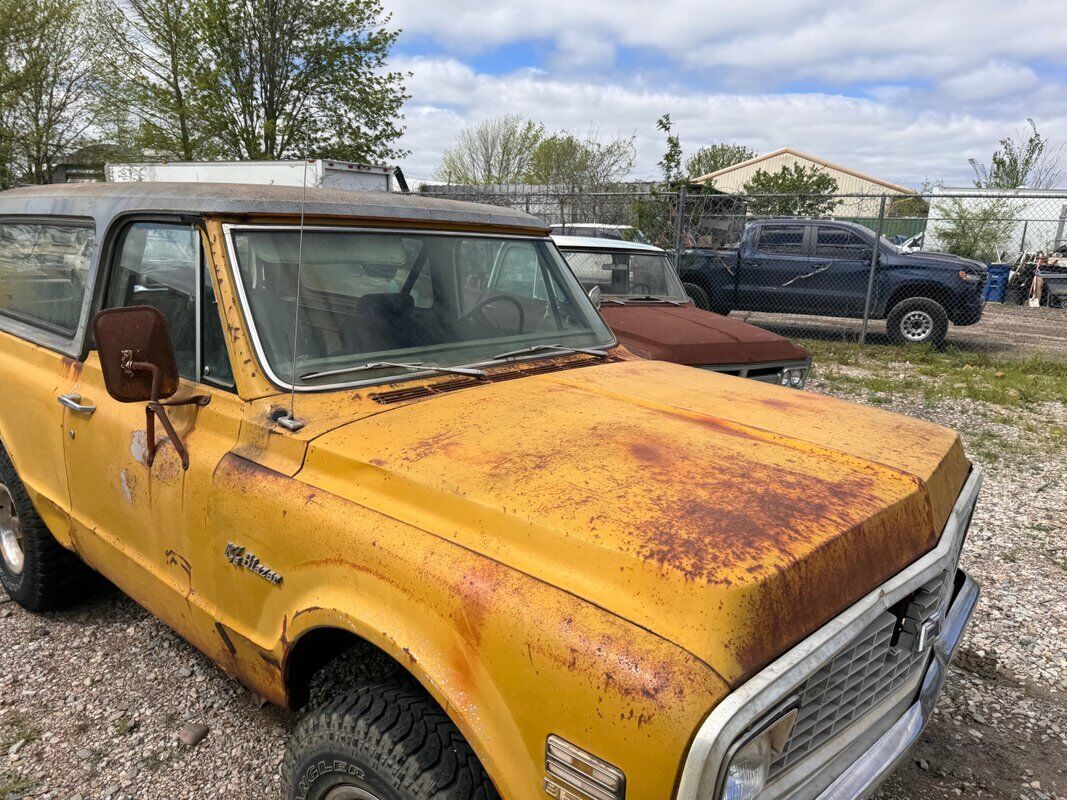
(748, 762)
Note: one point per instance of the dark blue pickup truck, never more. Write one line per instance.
(822, 268)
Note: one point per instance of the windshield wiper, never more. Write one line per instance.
(656, 299)
(614, 300)
(415, 366)
(537, 348)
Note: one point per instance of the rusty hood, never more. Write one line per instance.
(730, 517)
(689, 335)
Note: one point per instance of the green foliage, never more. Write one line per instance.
(975, 228)
(498, 150)
(291, 78)
(715, 157)
(49, 84)
(671, 163)
(153, 64)
(793, 191)
(564, 160)
(908, 206)
(1022, 160)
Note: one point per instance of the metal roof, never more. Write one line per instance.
(103, 202)
(595, 243)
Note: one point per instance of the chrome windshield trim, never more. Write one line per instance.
(705, 761)
(246, 309)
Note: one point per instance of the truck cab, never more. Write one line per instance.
(824, 268)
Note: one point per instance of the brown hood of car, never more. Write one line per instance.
(691, 336)
(730, 517)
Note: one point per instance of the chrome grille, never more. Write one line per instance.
(860, 677)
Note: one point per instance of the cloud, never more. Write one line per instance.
(906, 95)
(899, 142)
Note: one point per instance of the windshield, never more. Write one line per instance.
(433, 300)
(622, 274)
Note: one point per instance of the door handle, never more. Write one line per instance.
(74, 403)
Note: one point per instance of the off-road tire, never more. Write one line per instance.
(932, 322)
(51, 577)
(389, 740)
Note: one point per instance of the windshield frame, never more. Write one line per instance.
(670, 275)
(229, 228)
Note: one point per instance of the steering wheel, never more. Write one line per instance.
(647, 288)
(479, 310)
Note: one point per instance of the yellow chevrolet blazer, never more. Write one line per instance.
(379, 458)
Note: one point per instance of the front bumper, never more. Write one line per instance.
(870, 769)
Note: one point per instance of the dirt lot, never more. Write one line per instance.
(92, 700)
(1002, 329)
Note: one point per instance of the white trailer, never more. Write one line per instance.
(323, 173)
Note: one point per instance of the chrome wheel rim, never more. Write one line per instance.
(916, 325)
(10, 534)
(350, 793)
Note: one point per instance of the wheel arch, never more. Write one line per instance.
(930, 290)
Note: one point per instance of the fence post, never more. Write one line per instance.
(870, 275)
(563, 213)
(679, 222)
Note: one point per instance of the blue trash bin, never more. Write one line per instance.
(996, 283)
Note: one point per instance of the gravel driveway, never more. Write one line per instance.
(92, 700)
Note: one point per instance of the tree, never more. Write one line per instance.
(54, 63)
(153, 63)
(1023, 160)
(671, 163)
(495, 151)
(294, 78)
(975, 228)
(793, 191)
(564, 160)
(715, 157)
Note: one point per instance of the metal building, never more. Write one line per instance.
(849, 181)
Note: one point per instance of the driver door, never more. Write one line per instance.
(136, 522)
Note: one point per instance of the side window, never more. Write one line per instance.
(215, 361)
(44, 269)
(160, 264)
(156, 265)
(781, 239)
(840, 243)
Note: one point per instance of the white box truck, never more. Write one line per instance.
(321, 172)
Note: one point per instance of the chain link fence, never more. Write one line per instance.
(977, 269)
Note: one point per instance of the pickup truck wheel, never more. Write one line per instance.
(382, 742)
(917, 320)
(37, 572)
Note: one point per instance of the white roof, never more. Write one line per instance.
(594, 243)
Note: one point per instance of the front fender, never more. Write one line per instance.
(511, 659)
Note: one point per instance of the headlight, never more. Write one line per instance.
(969, 277)
(793, 377)
(751, 764)
(747, 774)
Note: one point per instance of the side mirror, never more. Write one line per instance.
(595, 297)
(138, 364)
(136, 354)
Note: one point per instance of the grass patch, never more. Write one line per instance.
(13, 783)
(986, 445)
(19, 727)
(937, 374)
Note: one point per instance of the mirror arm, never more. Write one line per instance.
(155, 408)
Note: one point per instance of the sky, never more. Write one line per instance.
(905, 91)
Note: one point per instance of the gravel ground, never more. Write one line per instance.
(1005, 330)
(92, 700)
